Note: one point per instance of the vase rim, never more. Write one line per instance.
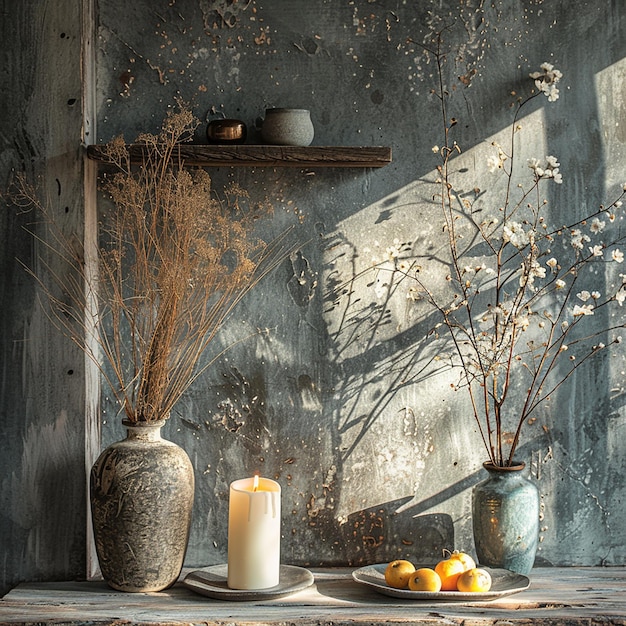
(130, 424)
(516, 466)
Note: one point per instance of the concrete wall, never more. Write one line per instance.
(339, 400)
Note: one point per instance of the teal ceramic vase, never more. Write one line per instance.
(505, 517)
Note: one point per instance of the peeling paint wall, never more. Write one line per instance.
(336, 393)
(337, 396)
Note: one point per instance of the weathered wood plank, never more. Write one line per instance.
(269, 156)
(42, 525)
(557, 595)
(90, 244)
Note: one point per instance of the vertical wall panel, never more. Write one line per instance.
(42, 485)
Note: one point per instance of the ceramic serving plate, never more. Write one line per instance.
(212, 582)
(504, 583)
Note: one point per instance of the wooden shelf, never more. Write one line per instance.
(267, 156)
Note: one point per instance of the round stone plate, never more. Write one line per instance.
(212, 581)
(503, 583)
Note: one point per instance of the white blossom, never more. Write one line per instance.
(546, 81)
(393, 252)
(514, 233)
(537, 271)
(551, 169)
(493, 164)
(584, 309)
(535, 166)
(413, 294)
(496, 162)
(579, 239)
(597, 225)
(528, 275)
(553, 162)
(583, 295)
(560, 284)
(617, 255)
(595, 250)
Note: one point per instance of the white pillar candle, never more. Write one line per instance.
(254, 534)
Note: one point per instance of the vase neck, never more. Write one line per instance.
(144, 431)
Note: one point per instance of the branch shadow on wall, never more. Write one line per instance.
(404, 528)
(373, 363)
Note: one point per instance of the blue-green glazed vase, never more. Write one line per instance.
(505, 516)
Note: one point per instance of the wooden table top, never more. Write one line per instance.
(556, 595)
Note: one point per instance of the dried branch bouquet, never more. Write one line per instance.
(173, 261)
(521, 307)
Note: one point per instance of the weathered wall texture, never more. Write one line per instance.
(336, 396)
(338, 399)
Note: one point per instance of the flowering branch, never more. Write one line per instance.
(514, 314)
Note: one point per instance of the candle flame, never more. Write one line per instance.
(255, 486)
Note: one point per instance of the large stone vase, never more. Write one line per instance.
(505, 516)
(142, 491)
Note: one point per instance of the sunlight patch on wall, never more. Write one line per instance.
(405, 231)
(609, 85)
(396, 391)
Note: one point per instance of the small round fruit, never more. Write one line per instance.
(424, 579)
(449, 571)
(397, 573)
(476, 579)
(466, 559)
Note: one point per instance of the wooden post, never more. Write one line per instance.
(90, 242)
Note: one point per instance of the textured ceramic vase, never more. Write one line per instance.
(142, 491)
(505, 515)
(287, 127)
